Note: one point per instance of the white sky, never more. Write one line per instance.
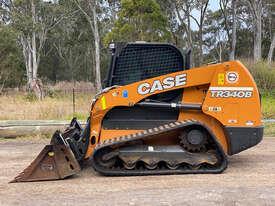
(214, 5)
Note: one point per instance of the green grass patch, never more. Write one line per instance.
(268, 105)
(269, 129)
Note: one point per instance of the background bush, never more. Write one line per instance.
(264, 75)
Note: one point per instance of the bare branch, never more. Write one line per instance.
(223, 7)
(181, 19)
(88, 17)
(65, 16)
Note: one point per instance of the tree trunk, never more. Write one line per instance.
(97, 52)
(200, 46)
(27, 58)
(258, 40)
(189, 34)
(34, 55)
(220, 52)
(92, 20)
(202, 16)
(234, 28)
(37, 88)
(256, 10)
(36, 84)
(271, 50)
(29, 67)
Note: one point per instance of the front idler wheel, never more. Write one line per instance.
(107, 158)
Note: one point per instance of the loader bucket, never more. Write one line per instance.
(53, 162)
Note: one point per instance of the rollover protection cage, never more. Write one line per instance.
(133, 62)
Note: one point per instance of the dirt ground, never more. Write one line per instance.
(249, 180)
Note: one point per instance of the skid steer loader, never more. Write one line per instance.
(157, 115)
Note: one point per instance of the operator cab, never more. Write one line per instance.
(133, 62)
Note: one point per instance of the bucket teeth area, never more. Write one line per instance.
(53, 162)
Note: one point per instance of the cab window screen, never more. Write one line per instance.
(138, 62)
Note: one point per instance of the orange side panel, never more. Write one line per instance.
(197, 95)
(217, 111)
(235, 112)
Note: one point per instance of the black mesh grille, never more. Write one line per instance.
(137, 62)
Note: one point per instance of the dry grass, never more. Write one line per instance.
(58, 104)
(21, 106)
(263, 73)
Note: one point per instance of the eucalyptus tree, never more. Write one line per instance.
(89, 10)
(270, 9)
(139, 20)
(256, 11)
(216, 39)
(228, 9)
(32, 20)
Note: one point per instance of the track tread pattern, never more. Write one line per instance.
(153, 133)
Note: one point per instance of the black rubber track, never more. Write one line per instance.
(154, 133)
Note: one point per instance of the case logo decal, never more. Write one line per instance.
(159, 85)
(232, 77)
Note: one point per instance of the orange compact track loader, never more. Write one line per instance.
(157, 115)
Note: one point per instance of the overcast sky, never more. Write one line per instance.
(214, 5)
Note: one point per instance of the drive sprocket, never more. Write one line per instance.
(193, 140)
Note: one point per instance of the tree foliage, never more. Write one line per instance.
(139, 20)
(65, 39)
(11, 64)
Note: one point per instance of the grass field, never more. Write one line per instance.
(60, 107)
(269, 129)
(268, 106)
